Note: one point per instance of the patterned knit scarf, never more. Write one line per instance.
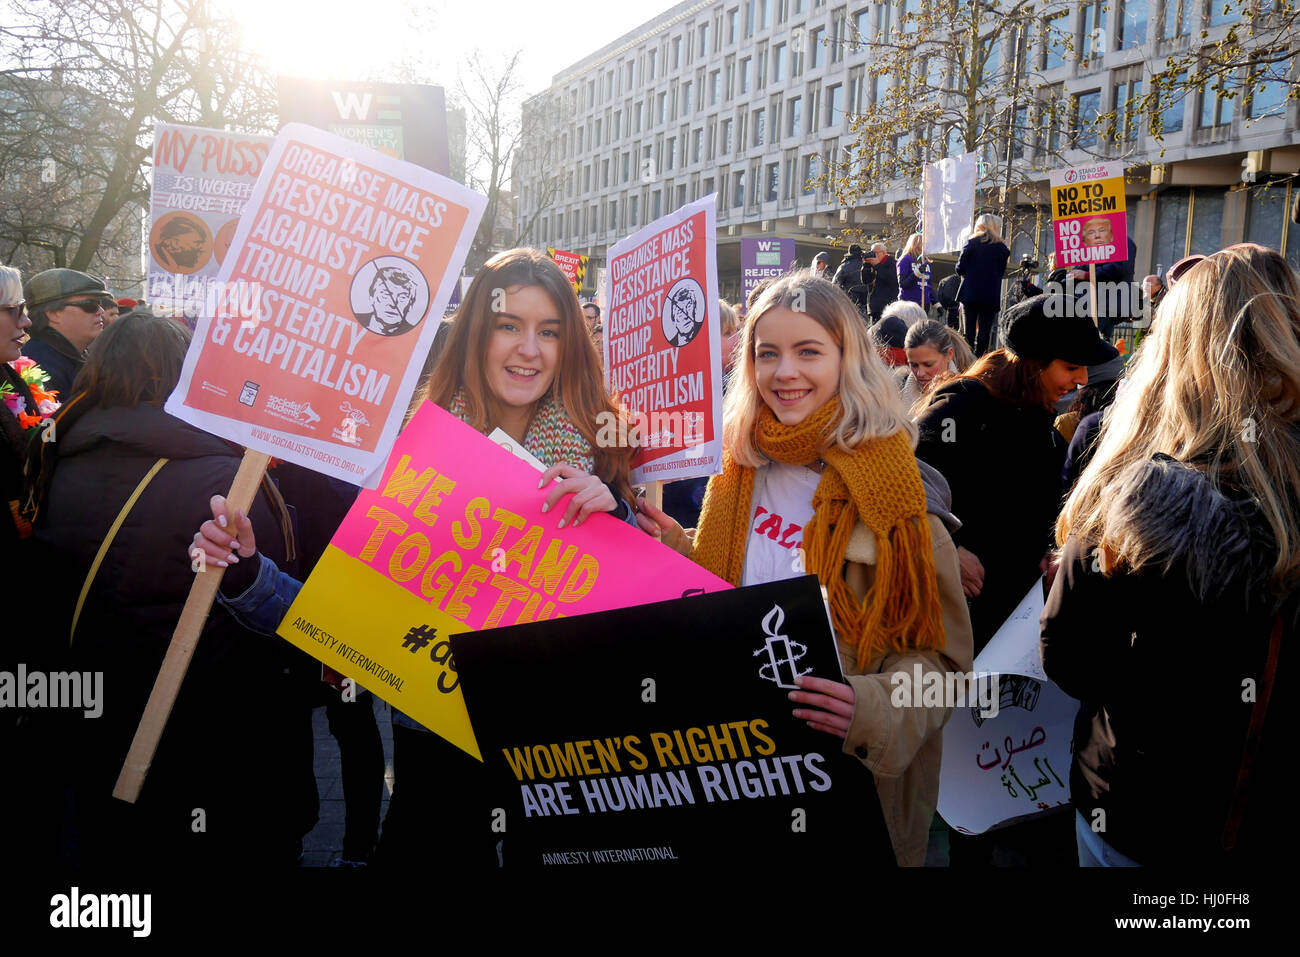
(878, 483)
(551, 436)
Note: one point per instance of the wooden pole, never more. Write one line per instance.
(654, 494)
(184, 640)
(1092, 293)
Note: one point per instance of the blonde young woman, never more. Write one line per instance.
(933, 350)
(1179, 578)
(914, 274)
(815, 433)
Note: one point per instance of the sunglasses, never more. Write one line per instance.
(91, 306)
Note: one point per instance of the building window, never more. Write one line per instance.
(1055, 35)
(815, 39)
(704, 43)
(727, 145)
(1216, 110)
(794, 117)
(884, 21)
(738, 188)
(1091, 25)
(762, 14)
(1219, 12)
(839, 24)
(1127, 120)
(861, 26)
(650, 63)
(731, 77)
(671, 162)
(992, 50)
(1266, 96)
(773, 183)
(834, 104)
(1051, 118)
(1171, 117)
(745, 65)
(811, 170)
(677, 53)
(1170, 240)
(1021, 134)
(715, 79)
(1176, 19)
(604, 174)
(759, 126)
(760, 69)
(686, 97)
(857, 88)
(661, 108)
(1087, 107)
(749, 18)
(797, 41)
(731, 26)
(1132, 24)
(778, 63)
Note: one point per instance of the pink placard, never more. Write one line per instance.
(456, 520)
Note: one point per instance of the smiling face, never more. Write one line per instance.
(796, 364)
(1061, 377)
(13, 326)
(523, 351)
(926, 362)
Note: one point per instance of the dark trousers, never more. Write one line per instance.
(979, 319)
(361, 756)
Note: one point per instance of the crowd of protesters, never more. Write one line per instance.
(933, 476)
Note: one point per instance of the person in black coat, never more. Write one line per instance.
(1118, 300)
(1180, 571)
(855, 278)
(884, 287)
(225, 788)
(990, 433)
(981, 265)
(67, 310)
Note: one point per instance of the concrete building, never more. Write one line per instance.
(745, 97)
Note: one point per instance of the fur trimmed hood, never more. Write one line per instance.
(1175, 514)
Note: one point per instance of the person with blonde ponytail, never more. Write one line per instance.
(819, 474)
(1179, 579)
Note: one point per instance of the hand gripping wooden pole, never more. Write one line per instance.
(184, 640)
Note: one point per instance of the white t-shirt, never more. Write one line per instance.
(781, 507)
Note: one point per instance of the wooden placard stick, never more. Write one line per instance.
(654, 494)
(185, 639)
(1092, 292)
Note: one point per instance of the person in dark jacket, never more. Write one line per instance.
(1179, 581)
(884, 287)
(855, 279)
(981, 265)
(222, 790)
(947, 291)
(67, 310)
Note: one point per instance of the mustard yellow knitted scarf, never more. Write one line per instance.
(878, 483)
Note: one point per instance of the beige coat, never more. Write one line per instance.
(903, 747)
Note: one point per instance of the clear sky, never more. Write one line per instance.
(427, 40)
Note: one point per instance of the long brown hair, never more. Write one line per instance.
(1215, 386)
(579, 383)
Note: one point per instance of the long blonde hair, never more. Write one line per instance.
(871, 406)
(912, 247)
(1215, 386)
(988, 228)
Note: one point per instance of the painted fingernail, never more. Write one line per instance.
(232, 558)
(222, 565)
(541, 483)
(221, 520)
(561, 524)
(546, 506)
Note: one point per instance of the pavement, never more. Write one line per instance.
(324, 844)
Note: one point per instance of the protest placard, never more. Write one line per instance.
(340, 257)
(948, 201)
(452, 540)
(573, 265)
(663, 344)
(763, 259)
(1002, 767)
(644, 735)
(407, 121)
(1089, 225)
(201, 180)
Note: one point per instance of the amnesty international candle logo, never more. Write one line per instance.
(782, 653)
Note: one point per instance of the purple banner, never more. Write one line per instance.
(762, 259)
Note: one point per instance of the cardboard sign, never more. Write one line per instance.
(948, 202)
(573, 265)
(1088, 219)
(763, 259)
(663, 343)
(341, 258)
(1015, 764)
(201, 181)
(453, 539)
(646, 736)
(407, 121)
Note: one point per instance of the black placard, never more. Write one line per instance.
(664, 733)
